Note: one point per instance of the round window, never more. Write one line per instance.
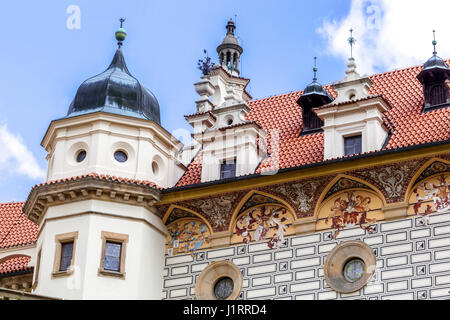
(354, 270)
(223, 288)
(120, 156)
(81, 155)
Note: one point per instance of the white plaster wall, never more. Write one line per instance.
(412, 263)
(101, 136)
(144, 252)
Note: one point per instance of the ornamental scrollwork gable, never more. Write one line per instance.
(391, 180)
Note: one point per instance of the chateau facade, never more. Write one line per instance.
(339, 191)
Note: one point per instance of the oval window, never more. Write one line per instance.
(81, 155)
(354, 270)
(223, 288)
(120, 156)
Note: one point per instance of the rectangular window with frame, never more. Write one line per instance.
(113, 252)
(352, 145)
(66, 255)
(112, 261)
(65, 246)
(228, 169)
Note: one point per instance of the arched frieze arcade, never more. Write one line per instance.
(270, 214)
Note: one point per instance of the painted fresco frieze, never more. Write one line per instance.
(269, 222)
(302, 196)
(349, 209)
(186, 236)
(391, 180)
(432, 195)
(217, 210)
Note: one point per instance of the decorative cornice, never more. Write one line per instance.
(89, 187)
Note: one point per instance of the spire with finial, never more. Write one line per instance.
(351, 41)
(434, 42)
(315, 69)
(121, 34)
(351, 65)
(230, 27)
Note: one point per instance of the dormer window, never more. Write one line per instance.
(228, 169)
(434, 78)
(352, 145)
(438, 94)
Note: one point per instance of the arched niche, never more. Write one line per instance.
(187, 235)
(264, 222)
(350, 208)
(430, 195)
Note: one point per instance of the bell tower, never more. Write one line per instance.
(230, 51)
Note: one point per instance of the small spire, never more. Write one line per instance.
(434, 42)
(351, 41)
(315, 69)
(230, 27)
(121, 34)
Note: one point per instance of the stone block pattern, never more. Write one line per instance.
(412, 262)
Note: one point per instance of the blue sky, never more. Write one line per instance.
(44, 62)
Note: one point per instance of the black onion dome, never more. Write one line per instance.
(435, 62)
(115, 91)
(315, 88)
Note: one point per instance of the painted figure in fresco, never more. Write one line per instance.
(261, 220)
(440, 194)
(349, 212)
(187, 237)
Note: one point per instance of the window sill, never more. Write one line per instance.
(110, 273)
(59, 274)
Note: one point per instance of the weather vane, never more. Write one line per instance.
(122, 20)
(351, 41)
(434, 42)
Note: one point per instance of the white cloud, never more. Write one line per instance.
(390, 34)
(16, 155)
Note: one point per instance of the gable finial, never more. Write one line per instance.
(315, 69)
(351, 41)
(121, 34)
(434, 42)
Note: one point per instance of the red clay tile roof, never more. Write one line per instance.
(104, 177)
(15, 264)
(15, 228)
(400, 88)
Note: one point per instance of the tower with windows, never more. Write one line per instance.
(108, 159)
